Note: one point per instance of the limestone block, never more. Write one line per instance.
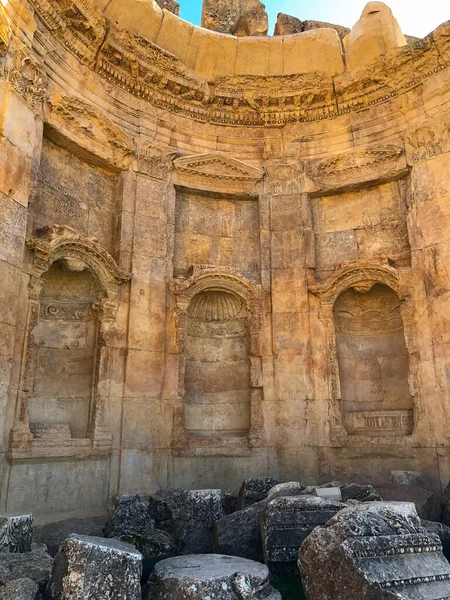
(255, 490)
(35, 565)
(175, 35)
(211, 54)
(442, 531)
(258, 56)
(95, 568)
(20, 589)
(289, 488)
(426, 502)
(197, 577)
(376, 32)
(341, 31)
(288, 521)
(374, 551)
(317, 50)
(143, 17)
(16, 533)
(287, 25)
(237, 17)
(54, 534)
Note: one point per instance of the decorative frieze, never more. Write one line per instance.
(154, 162)
(26, 76)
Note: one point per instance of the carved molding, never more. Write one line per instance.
(26, 76)
(427, 141)
(134, 64)
(355, 169)
(85, 126)
(64, 243)
(283, 177)
(155, 162)
(216, 173)
(248, 302)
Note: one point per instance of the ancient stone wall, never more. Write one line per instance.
(221, 257)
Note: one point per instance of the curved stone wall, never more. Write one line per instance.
(167, 160)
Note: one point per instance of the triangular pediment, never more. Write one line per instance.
(218, 165)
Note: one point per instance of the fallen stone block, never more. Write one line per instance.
(16, 533)
(375, 551)
(427, 503)
(54, 534)
(35, 565)
(95, 569)
(20, 589)
(198, 577)
(442, 531)
(255, 490)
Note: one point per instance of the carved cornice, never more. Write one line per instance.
(284, 178)
(5, 31)
(64, 243)
(155, 162)
(138, 66)
(428, 141)
(89, 129)
(355, 169)
(26, 76)
(216, 173)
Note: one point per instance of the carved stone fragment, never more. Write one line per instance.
(255, 490)
(288, 521)
(426, 502)
(197, 577)
(26, 76)
(96, 568)
(375, 551)
(16, 533)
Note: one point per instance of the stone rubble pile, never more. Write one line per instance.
(194, 544)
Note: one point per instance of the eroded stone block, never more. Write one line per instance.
(255, 490)
(16, 533)
(374, 551)
(96, 568)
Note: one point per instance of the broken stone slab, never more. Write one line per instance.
(341, 31)
(188, 516)
(95, 568)
(254, 490)
(239, 534)
(53, 534)
(289, 488)
(354, 491)
(253, 20)
(331, 493)
(20, 589)
(288, 521)
(375, 551)
(287, 25)
(198, 577)
(427, 503)
(35, 565)
(130, 514)
(16, 533)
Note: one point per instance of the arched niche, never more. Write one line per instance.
(219, 404)
(66, 359)
(364, 308)
(65, 342)
(373, 361)
(217, 368)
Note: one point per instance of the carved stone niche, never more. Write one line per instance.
(61, 408)
(365, 319)
(216, 173)
(218, 317)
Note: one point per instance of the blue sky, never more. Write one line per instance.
(415, 16)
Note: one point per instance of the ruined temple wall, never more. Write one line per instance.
(361, 194)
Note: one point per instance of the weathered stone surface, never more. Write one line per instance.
(238, 17)
(16, 533)
(95, 568)
(35, 565)
(53, 534)
(20, 589)
(342, 31)
(415, 478)
(196, 577)
(290, 488)
(375, 33)
(287, 25)
(426, 502)
(229, 503)
(374, 551)
(239, 534)
(188, 516)
(287, 522)
(171, 5)
(442, 531)
(255, 490)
